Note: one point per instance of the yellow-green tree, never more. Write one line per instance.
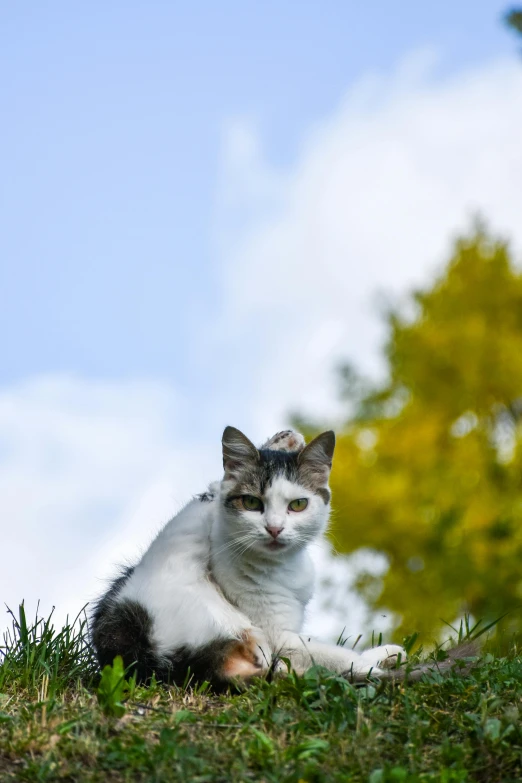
(429, 469)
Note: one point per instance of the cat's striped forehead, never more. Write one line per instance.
(255, 478)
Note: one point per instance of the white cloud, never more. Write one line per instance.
(377, 191)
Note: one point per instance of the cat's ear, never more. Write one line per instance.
(238, 451)
(315, 460)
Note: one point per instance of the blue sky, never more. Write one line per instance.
(201, 206)
(114, 119)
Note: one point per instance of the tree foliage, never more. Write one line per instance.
(428, 469)
(514, 19)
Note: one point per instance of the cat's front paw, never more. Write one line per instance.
(385, 657)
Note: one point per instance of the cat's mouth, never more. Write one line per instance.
(276, 544)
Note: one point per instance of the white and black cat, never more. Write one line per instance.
(221, 592)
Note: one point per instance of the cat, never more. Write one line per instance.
(220, 595)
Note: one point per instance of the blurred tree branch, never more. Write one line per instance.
(513, 19)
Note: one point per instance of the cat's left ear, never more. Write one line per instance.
(238, 452)
(315, 460)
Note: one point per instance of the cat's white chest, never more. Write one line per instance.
(272, 599)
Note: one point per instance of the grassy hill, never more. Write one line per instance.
(59, 721)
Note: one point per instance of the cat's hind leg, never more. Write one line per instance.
(384, 657)
(248, 657)
(304, 652)
(223, 662)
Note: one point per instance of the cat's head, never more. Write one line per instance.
(275, 500)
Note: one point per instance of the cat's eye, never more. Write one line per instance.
(251, 503)
(298, 505)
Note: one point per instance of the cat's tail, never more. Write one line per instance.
(459, 660)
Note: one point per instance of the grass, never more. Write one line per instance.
(61, 721)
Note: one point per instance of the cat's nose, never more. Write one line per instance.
(273, 530)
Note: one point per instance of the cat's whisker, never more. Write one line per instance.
(239, 554)
(305, 539)
(249, 544)
(231, 544)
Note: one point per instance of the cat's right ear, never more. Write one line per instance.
(315, 460)
(238, 451)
